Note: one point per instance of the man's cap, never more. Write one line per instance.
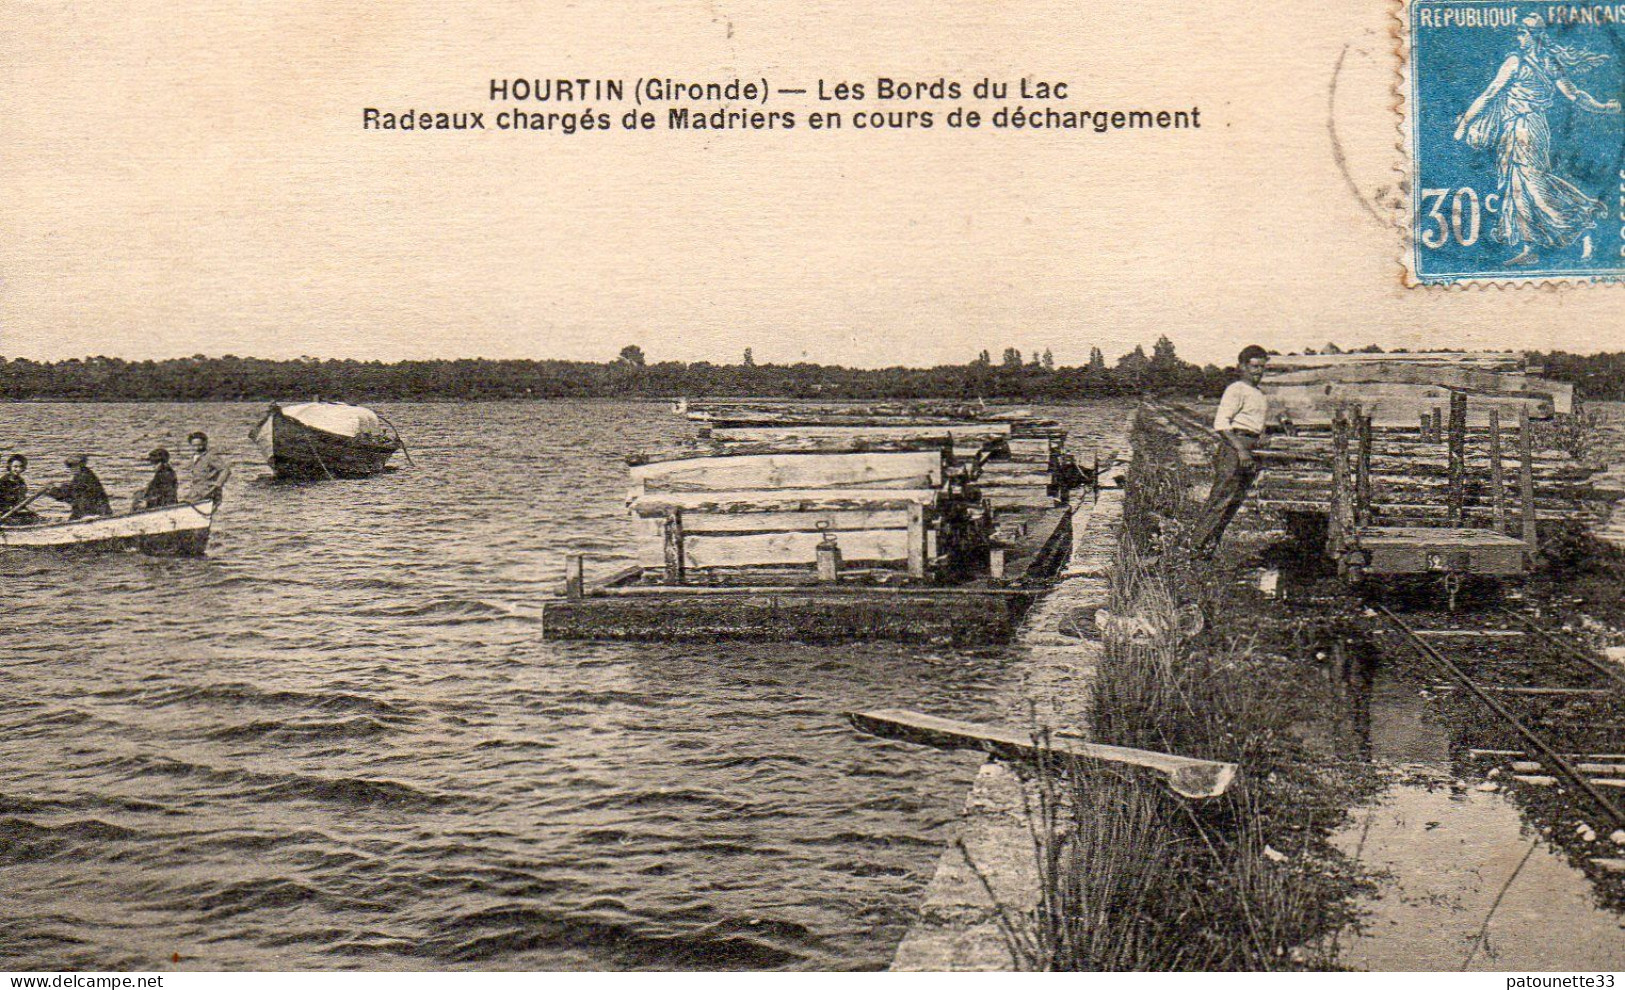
(77, 459)
(158, 456)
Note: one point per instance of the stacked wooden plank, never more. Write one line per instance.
(767, 509)
(1021, 475)
(781, 486)
(1395, 390)
(1427, 439)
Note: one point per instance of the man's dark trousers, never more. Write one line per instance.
(1231, 481)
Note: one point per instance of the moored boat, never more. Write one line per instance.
(324, 440)
(168, 531)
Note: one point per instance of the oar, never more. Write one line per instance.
(20, 506)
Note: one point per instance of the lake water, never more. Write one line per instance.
(338, 741)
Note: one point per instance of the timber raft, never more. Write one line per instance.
(917, 522)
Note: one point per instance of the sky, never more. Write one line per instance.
(193, 177)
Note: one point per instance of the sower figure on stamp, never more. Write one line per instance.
(1240, 422)
(1538, 208)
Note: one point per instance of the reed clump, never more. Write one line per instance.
(1133, 877)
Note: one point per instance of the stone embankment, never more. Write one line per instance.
(990, 872)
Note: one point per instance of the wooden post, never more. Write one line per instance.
(1362, 475)
(674, 546)
(1456, 496)
(574, 584)
(1498, 479)
(1438, 424)
(916, 541)
(1427, 427)
(1526, 478)
(1338, 522)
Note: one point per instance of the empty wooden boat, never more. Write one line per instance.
(324, 440)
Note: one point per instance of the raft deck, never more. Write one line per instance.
(792, 604)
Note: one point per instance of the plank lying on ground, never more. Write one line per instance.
(1189, 777)
(1513, 689)
(1532, 766)
(1492, 753)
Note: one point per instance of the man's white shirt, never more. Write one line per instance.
(1243, 407)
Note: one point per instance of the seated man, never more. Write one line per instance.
(163, 488)
(83, 492)
(14, 493)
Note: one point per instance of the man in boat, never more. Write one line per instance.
(14, 493)
(163, 489)
(1243, 414)
(208, 472)
(83, 492)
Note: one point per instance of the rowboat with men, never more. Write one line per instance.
(167, 531)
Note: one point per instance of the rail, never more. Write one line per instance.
(1551, 754)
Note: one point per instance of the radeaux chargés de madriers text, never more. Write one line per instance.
(871, 104)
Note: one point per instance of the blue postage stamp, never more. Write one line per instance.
(1516, 141)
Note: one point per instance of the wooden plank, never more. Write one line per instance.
(834, 520)
(785, 500)
(1478, 359)
(745, 418)
(1395, 405)
(766, 471)
(1003, 500)
(693, 450)
(1456, 493)
(789, 548)
(1030, 447)
(1362, 473)
(1013, 481)
(980, 432)
(1475, 516)
(1432, 536)
(1340, 512)
(1526, 480)
(673, 552)
(1401, 372)
(1497, 473)
(1561, 394)
(1018, 468)
(574, 576)
(1188, 777)
(914, 544)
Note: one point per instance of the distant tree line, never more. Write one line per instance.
(1034, 376)
(629, 375)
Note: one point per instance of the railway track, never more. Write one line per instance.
(1551, 710)
(1527, 701)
